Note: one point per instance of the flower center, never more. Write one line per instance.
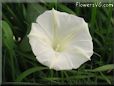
(58, 47)
(60, 44)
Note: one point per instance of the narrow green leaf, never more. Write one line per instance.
(98, 42)
(103, 68)
(51, 78)
(24, 10)
(93, 16)
(68, 78)
(65, 8)
(28, 72)
(105, 77)
(93, 20)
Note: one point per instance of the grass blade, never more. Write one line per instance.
(103, 68)
(28, 72)
(105, 77)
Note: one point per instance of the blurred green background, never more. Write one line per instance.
(19, 63)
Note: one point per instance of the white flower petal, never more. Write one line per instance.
(46, 57)
(38, 44)
(67, 23)
(42, 50)
(77, 60)
(39, 31)
(86, 45)
(46, 21)
(83, 34)
(77, 56)
(38, 39)
(62, 62)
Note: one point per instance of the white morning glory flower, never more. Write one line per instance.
(60, 40)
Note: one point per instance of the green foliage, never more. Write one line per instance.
(33, 11)
(7, 36)
(20, 64)
(103, 68)
(28, 72)
(24, 45)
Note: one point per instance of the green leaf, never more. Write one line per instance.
(8, 42)
(65, 8)
(93, 16)
(105, 77)
(33, 11)
(27, 55)
(24, 45)
(98, 42)
(28, 72)
(103, 68)
(7, 36)
(51, 78)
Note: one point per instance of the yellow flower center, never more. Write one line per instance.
(59, 45)
(58, 48)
